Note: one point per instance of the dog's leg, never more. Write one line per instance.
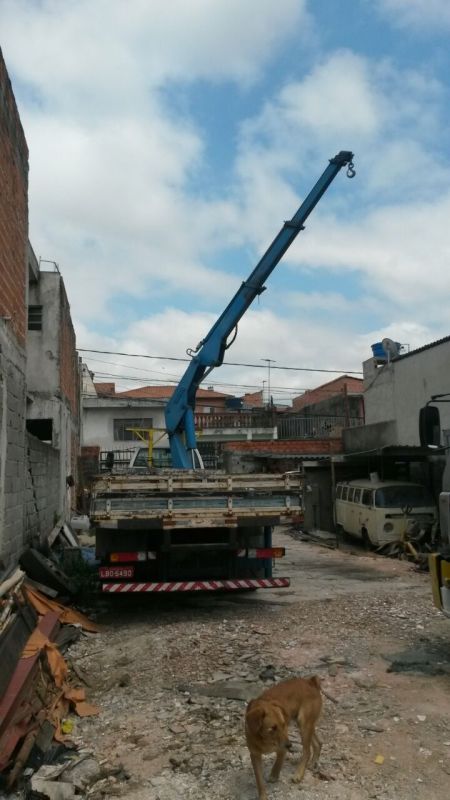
(306, 728)
(317, 747)
(257, 769)
(276, 769)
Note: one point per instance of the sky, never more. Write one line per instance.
(169, 142)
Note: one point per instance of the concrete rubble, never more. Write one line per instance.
(172, 677)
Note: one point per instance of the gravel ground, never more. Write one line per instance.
(172, 676)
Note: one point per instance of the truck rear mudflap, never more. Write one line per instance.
(198, 586)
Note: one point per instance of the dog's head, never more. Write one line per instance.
(267, 723)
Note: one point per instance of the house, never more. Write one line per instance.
(53, 378)
(342, 397)
(39, 387)
(108, 417)
(119, 423)
(396, 390)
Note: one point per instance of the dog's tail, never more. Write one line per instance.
(315, 681)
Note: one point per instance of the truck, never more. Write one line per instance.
(185, 528)
(439, 561)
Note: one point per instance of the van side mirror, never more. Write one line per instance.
(429, 426)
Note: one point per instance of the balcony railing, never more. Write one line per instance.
(237, 420)
(317, 427)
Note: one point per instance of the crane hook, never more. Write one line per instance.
(351, 172)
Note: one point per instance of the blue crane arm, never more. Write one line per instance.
(210, 352)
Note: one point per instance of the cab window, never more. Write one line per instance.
(366, 498)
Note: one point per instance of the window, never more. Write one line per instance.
(344, 492)
(366, 499)
(41, 428)
(34, 318)
(351, 494)
(338, 492)
(403, 496)
(122, 432)
(357, 497)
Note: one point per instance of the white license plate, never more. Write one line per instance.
(116, 572)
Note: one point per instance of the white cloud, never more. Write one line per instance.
(107, 49)
(113, 167)
(418, 14)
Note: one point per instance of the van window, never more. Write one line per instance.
(338, 491)
(357, 497)
(366, 499)
(403, 496)
(344, 492)
(351, 493)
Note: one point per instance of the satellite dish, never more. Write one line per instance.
(391, 348)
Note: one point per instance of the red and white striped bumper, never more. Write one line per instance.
(198, 586)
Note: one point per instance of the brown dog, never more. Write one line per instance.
(267, 721)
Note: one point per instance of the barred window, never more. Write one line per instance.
(122, 432)
(34, 318)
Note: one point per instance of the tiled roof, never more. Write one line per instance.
(164, 392)
(105, 389)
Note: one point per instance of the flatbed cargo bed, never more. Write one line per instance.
(187, 498)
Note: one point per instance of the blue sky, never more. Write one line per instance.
(168, 144)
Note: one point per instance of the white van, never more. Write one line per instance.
(378, 511)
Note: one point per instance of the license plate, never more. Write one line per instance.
(116, 572)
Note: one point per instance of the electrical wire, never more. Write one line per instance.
(225, 363)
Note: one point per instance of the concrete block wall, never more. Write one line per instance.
(12, 446)
(42, 489)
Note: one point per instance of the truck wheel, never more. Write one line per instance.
(43, 570)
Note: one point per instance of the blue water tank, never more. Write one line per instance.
(379, 352)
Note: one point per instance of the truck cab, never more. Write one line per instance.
(430, 436)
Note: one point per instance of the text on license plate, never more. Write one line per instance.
(116, 572)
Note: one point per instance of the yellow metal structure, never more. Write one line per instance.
(440, 577)
(147, 435)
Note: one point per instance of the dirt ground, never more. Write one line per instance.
(172, 675)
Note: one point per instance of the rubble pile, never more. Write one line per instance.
(38, 689)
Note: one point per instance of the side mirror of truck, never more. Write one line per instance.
(430, 426)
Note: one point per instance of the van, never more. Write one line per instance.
(378, 512)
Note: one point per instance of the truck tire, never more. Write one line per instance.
(43, 570)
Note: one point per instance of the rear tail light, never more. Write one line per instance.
(124, 557)
(263, 552)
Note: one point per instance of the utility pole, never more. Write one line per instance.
(269, 362)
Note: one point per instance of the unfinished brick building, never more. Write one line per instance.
(13, 315)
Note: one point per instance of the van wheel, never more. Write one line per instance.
(365, 539)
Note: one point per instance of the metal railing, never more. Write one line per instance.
(245, 419)
(317, 427)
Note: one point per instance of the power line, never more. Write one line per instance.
(225, 363)
(278, 389)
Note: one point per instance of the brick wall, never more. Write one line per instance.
(13, 321)
(42, 489)
(287, 447)
(13, 210)
(68, 357)
(338, 386)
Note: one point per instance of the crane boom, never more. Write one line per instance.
(210, 352)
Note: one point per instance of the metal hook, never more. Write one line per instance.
(351, 172)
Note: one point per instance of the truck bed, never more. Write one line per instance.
(185, 498)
